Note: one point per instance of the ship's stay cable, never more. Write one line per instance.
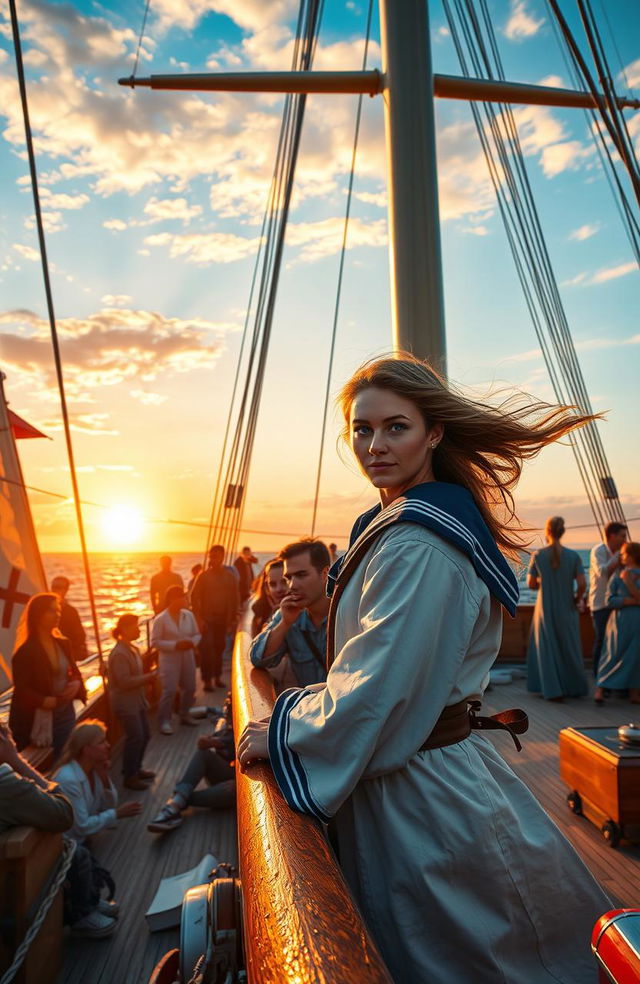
(230, 489)
(607, 105)
(476, 46)
(343, 251)
(53, 327)
(203, 526)
(623, 206)
(140, 39)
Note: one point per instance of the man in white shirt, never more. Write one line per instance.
(603, 561)
(175, 635)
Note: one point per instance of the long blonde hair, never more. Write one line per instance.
(87, 733)
(484, 447)
(554, 529)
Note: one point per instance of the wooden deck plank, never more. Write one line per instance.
(618, 871)
(138, 861)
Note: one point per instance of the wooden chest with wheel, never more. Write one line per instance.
(601, 767)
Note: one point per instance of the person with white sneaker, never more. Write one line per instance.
(84, 778)
(27, 798)
(213, 761)
(175, 635)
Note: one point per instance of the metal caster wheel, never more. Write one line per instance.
(574, 802)
(611, 833)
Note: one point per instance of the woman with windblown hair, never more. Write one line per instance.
(555, 667)
(459, 873)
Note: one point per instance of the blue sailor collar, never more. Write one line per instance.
(450, 511)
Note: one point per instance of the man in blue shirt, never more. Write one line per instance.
(299, 629)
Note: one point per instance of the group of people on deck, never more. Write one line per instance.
(375, 729)
(555, 665)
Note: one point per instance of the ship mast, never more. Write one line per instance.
(408, 86)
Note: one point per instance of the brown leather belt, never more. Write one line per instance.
(457, 721)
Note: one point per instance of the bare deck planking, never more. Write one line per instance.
(138, 860)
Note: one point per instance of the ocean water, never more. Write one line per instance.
(121, 583)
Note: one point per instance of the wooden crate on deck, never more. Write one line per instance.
(603, 776)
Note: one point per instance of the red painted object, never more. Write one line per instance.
(167, 970)
(615, 942)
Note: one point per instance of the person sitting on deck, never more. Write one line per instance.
(299, 628)
(175, 635)
(269, 589)
(85, 780)
(70, 625)
(162, 580)
(27, 798)
(212, 761)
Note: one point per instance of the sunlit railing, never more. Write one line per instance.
(300, 923)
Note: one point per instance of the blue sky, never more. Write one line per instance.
(153, 208)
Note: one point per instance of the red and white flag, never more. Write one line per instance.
(21, 570)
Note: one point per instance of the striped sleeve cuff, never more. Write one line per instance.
(287, 764)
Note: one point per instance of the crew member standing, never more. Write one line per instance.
(215, 601)
(70, 624)
(604, 560)
(162, 580)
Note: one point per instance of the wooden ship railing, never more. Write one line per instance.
(300, 922)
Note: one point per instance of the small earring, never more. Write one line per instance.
(434, 445)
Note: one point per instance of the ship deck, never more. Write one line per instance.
(138, 860)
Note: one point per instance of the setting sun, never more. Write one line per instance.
(123, 525)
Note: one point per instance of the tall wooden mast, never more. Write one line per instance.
(417, 294)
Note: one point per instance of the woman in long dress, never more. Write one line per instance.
(459, 873)
(619, 668)
(555, 667)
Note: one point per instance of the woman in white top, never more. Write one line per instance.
(459, 873)
(84, 778)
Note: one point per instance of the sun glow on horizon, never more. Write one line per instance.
(123, 525)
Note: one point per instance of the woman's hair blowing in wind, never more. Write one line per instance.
(483, 447)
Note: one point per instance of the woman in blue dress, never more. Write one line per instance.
(555, 667)
(620, 664)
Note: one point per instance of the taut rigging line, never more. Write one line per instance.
(507, 168)
(52, 324)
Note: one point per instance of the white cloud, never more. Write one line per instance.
(552, 81)
(323, 238)
(116, 300)
(171, 208)
(584, 232)
(115, 225)
(612, 273)
(107, 348)
(207, 247)
(28, 252)
(632, 74)
(521, 24)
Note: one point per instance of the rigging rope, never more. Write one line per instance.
(230, 490)
(140, 38)
(621, 201)
(52, 324)
(505, 159)
(343, 251)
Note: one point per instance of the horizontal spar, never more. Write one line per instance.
(372, 83)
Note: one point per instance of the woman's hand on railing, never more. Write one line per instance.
(253, 744)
